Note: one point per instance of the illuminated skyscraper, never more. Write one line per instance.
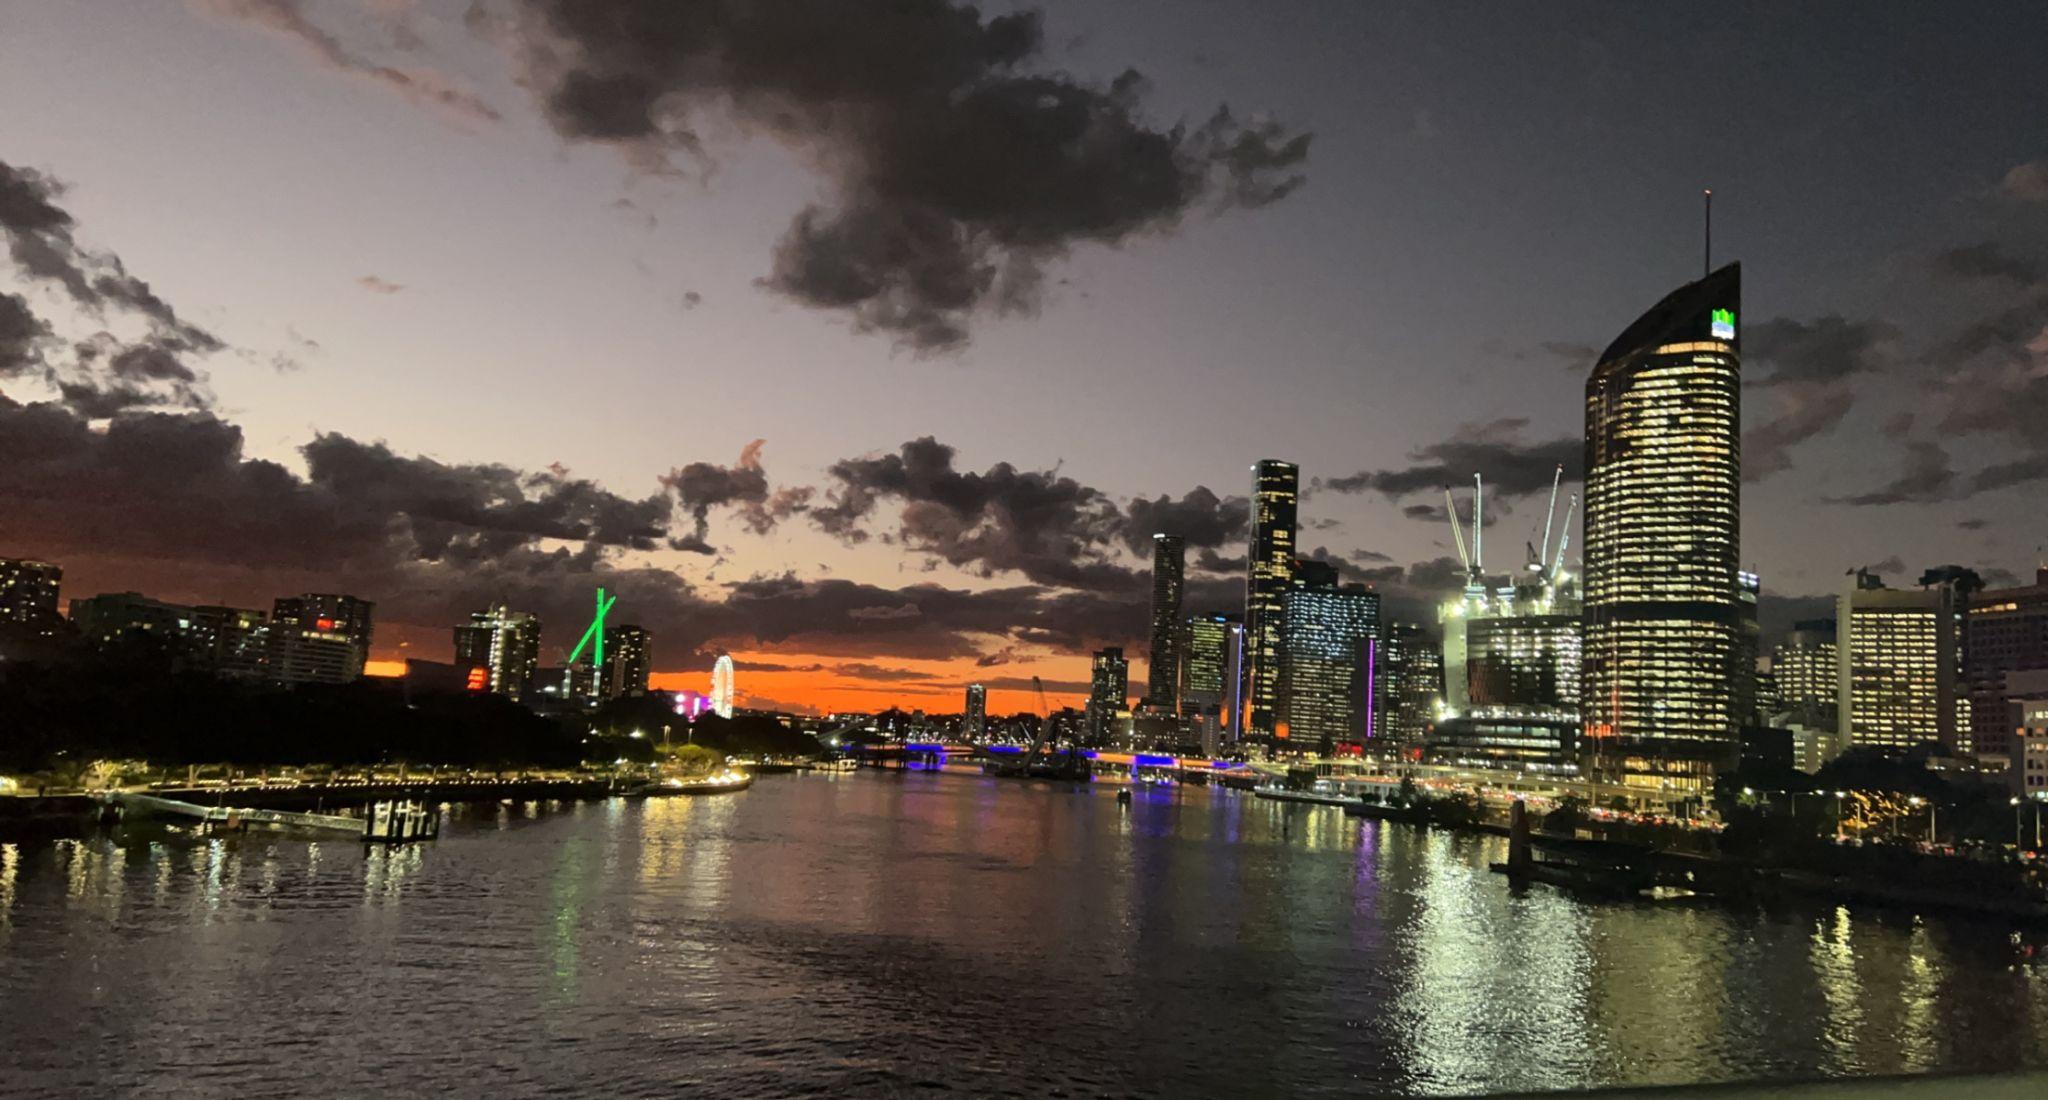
(1898, 681)
(1328, 665)
(1169, 573)
(974, 722)
(1276, 490)
(505, 644)
(1410, 683)
(1108, 692)
(1662, 532)
(318, 638)
(626, 661)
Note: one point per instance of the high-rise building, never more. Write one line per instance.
(627, 661)
(1328, 661)
(1276, 492)
(1805, 668)
(1411, 685)
(974, 721)
(1898, 679)
(28, 596)
(111, 615)
(1108, 692)
(1662, 506)
(1169, 575)
(2006, 632)
(505, 644)
(1205, 661)
(318, 638)
(230, 640)
(1523, 656)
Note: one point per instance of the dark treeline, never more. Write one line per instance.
(132, 701)
(742, 734)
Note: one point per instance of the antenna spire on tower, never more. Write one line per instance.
(1707, 263)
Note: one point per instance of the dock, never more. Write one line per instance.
(230, 817)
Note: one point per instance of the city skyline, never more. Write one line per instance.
(856, 558)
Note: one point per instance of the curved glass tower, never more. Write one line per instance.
(1662, 534)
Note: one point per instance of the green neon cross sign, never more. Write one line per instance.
(596, 632)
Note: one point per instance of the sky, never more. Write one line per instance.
(870, 343)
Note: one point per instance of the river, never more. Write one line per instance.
(877, 932)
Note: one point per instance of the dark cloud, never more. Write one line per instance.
(1494, 449)
(424, 87)
(172, 504)
(1974, 524)
(1821, 350)
(1209, 561)
(378, 285)
(1046, 526)
(1987, 260)
(472, 509)
(1570, 355)
(1199, 516)
(1927, 477)
(21, 336)
(1807, 368)
(955, 173)
(40, 238)
(1803, 411)
(1996, 577)
(702, 486)
(2003, 475)
(2027, 182)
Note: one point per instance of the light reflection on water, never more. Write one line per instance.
(848, 934)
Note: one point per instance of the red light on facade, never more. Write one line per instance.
(323, 624)
(479, 679)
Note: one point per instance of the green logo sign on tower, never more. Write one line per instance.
(1724, 324)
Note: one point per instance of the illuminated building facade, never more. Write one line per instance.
(1523, 662)
(28, 596)
(318, 638)
(1896, 687)
(1411, 685)
(974, 720)
(1169, 579)
(1206, 645)
(1276, 494)
(1109, 690)
(628, 654)
(1328, 661)
(230, 640)
(2006, 632)
(1806, 670)
(506, 645)
(1663, 499)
